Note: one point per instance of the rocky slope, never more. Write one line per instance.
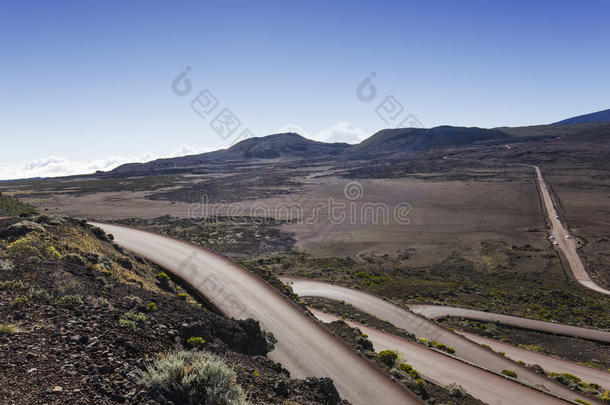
(80, 319)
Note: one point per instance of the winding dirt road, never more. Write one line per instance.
(441, 311)
(304, 347)
(444, 370)
(567, 246)
(548, 363)
(464, 349)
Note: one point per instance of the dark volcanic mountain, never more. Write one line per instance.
(278, 146)
(417, 139)
(600, 116)
(291, 146)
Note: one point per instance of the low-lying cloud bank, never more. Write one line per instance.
(56, 166)
(342, 131)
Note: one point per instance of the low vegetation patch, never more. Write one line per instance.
(509, 373)
(576, 384)
(437, 345)
(388, 357)
(193, 377)
(8, 329)
(195, 342)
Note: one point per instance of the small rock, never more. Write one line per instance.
(32, 370)
(57, 389)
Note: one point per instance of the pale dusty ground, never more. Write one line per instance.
(445, 216)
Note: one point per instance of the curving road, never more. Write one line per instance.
(444, 370)
(548, 363)
(441, 311)
(567, 246)
(304, 347)
(421, 327)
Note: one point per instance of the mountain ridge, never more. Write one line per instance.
(599, 116)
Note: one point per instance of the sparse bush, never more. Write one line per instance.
(132, 319)
(581, 401)
(445, 348)
(407, 368)
(195, 342)
(40, 296)
(8, 329)
(537, 368)
(605, 398)
(388, 357)
(182, 296)
(163, 280)
(52, 253)
(23, 247)
(20, 302)
(193, 377)
(152, 307)
(127, 323)
(100, 302)
(509, 373)
(70, 301)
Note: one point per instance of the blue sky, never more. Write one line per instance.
(87, 85)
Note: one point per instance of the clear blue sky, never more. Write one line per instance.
(88, 80)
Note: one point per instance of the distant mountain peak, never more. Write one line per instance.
(600, 116)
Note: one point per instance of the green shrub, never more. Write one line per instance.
(605, 397)
(19, 302)
(509, 373)
(134, 316)
(8, 329)
(152, 307)
(163, 280)
(70, 301)
(407, 368)
(445, 348)
(193, 377)
(128, 324)
(580, 401)
(388, 357)
(52, 253)
(40, 296)
(195, 342)
(23, 247)
(182, 296)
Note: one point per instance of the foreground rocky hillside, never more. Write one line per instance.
(81, 320)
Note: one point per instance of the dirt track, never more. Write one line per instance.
(567, 246)
(548, 363)
(304, 347)
(444, 370)
(441, 311)
(421, 327)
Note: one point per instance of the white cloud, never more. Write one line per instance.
(55, 166)
(342, 131)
